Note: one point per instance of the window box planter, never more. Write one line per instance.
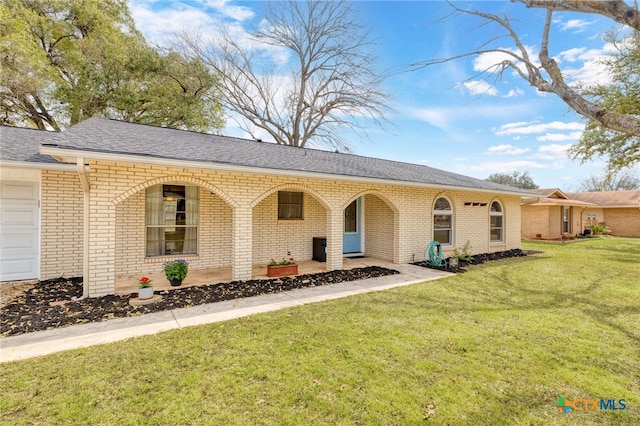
(282, 270)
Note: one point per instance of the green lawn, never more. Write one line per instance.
(496, 345)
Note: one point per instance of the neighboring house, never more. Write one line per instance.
(618, 210)
(552, 215)
(107, 198)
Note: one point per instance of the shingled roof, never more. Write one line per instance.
(21, 145)
(97, 137)
(609, 199)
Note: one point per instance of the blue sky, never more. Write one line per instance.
(445, 116)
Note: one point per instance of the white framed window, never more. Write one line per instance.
(443, 221)
(496, 223)
(290, 205)
(172, 220)
(566, 219)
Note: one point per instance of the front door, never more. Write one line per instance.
(352, 238)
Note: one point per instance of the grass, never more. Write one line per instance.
(496, 345)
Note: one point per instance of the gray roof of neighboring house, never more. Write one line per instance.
(98, 135)
(22, 145)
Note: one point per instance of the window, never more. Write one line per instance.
(496, 216)
(351, 218)
(566, 216)
(443, 222)
(289, 205)
(172, 220)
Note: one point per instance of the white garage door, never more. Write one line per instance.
(19, 230)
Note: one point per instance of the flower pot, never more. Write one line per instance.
(282, 270)
(175, 282)
(145, 293)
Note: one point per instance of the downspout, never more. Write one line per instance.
(84, 179)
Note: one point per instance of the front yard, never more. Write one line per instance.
(499, 344)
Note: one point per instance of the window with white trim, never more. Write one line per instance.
(172, 220)
(443, 221)
(496, 227)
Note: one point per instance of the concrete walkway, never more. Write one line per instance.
(79, 336)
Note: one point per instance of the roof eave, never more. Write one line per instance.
(37, 165)
(69, 155)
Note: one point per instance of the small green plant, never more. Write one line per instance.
(144, 282)
(175, 269)
(597, 229)
(290, 261)
(463, 253)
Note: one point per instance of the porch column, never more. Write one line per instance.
(242, 242)
(102, 247)
(335, 228)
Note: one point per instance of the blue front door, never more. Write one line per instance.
(352, 238)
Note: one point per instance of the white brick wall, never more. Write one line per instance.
(239, 226)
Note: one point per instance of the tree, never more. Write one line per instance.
(62, 61)
(516, 179)
(331, 84)
(610, 182)
(547, 76)
(621, 96)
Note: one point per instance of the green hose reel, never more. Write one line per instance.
(436, 255)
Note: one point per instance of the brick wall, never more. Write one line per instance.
(61, 217)
(239, 223)
(624, 222)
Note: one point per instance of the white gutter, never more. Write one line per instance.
(39, 166)
(84, 179)
(62, 154)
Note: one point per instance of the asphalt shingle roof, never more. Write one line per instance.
(21, 144)
(118, 137)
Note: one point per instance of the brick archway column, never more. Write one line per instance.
(242, 242)
(335, 218)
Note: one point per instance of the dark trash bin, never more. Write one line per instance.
(320, 249)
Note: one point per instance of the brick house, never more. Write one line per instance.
(556, 213)
(618, 210)
(107, 197)
(552, 215)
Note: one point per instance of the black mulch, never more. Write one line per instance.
(480, 258)
(39, 308)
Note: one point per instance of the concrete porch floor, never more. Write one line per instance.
(127, 284)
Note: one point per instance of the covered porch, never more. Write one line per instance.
(128, 283)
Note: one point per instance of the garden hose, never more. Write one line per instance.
(436, 256)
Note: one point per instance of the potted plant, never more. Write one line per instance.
(175, 271)
(145, 289)
(282, 267)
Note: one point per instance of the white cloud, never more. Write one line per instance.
(560, 137)
(445, 117)
(480, 87)
(224, 7)
(552, 152)
(513, 93)
(489, 61)
(573, 25)
(506, 149)
(529, 128)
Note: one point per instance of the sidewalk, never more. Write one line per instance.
(79, 336)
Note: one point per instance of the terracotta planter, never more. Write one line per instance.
(282, 270)
(145, 293)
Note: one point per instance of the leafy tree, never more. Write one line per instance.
(622, 96)
(328, 83)
(516, 179)
(611, 182)
(546, 75)
(63, 61)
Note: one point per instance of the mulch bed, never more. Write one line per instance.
(48, 304)
(481, 258)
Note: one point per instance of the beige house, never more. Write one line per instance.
(552, 215)
(618, 210)
(105, 198)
